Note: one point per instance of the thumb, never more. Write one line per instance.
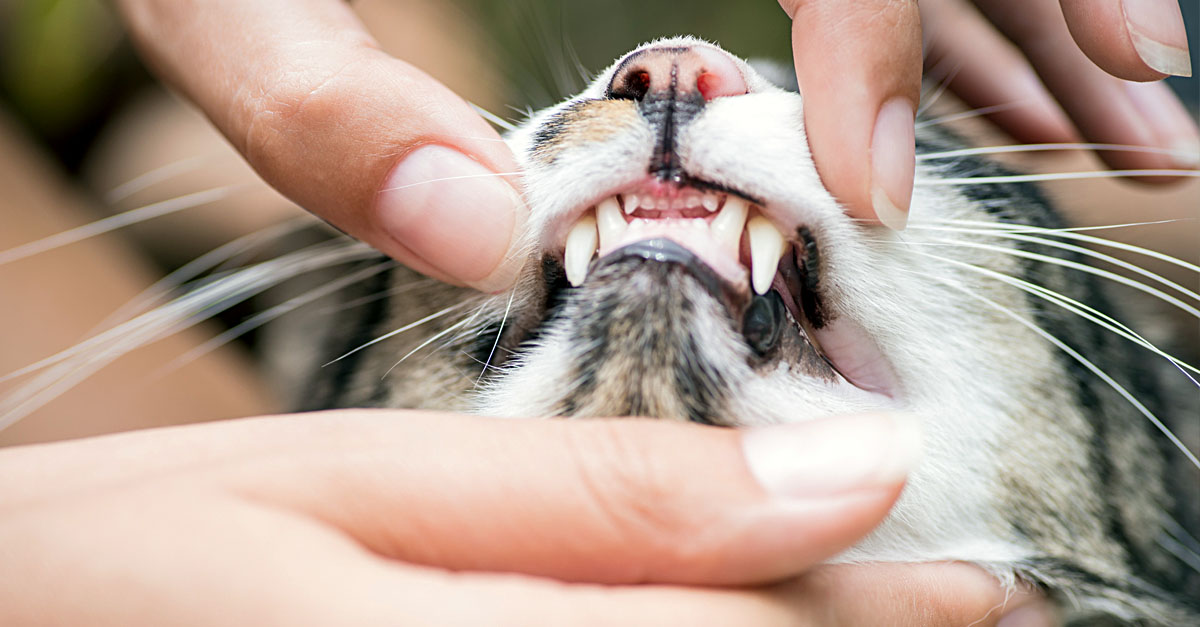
(604, 501)
(367, 142)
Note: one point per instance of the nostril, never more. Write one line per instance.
(678, 71)
(719, 76)
(635, 86)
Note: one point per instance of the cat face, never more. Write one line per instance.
(687, 263)
(699, 270)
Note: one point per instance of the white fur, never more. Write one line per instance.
(757, 144)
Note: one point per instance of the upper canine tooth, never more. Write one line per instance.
(727, 226)
(609, 222)
(581, 244)
(766, 248)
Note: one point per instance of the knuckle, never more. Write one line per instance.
(283, 104)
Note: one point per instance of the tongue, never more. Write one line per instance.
(693, 235)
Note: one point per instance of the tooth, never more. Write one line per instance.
(710, 202)
(727, 226)
(766, 248)
(609, 222)
(581, 243)
(631, 203)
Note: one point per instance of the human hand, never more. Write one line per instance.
(370, 517)
(859, 67)
(365, 141)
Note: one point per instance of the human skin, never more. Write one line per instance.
(372, 517)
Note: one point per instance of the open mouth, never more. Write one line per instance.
(733, 238)
(723, 229)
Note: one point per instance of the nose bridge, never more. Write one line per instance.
(671, 85)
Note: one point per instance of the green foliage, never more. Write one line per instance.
(53, 59)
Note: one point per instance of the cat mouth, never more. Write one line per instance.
(725, 230)
(769, 280)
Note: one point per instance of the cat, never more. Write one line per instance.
(686, 263)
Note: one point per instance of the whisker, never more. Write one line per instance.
(120, 220)
(973, 113)
(1076, 307)
(1097, 255)
(493, 118)
(1052, 176)
(358, 302)
(1177, 548)
(157, 175)
(391, 334)
(1179, 533)
(500, 332)
(431, 340)
(68, 367)
(272, 314)
(990, 150)
(1083, 268)
(162, 288)
(216, 296)
(1105, 377)
(1073, 233)
(451, 178)
(942, 86)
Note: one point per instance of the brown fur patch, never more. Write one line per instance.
(584, 122)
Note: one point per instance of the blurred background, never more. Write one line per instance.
(86, 131)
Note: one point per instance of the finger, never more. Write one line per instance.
(606, 501)
(1138, 40)
(367, 142)
(625, 501)
(1105, 109)
(920, 595)
(988, 73)
(169, 556)
(859, 69)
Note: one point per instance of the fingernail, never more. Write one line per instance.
(893, 162)
(1158, 34)
(454, 213)
(1170, 122)
(834, 455)
(1036, 614)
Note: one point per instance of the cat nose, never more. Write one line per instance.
(681, 72)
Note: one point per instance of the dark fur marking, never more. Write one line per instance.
(548, 133)
(667, 112)
(331, 385)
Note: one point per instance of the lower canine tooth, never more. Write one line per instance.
(766, 248)
(609, 222)
(581, 243)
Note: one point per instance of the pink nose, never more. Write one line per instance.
(680, 71)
